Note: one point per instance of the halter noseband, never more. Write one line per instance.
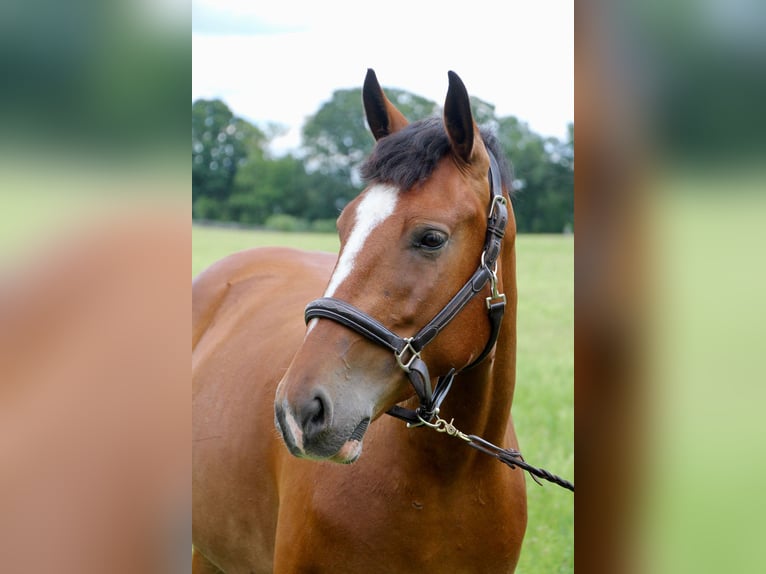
(407, 349)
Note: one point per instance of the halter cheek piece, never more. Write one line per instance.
(407, 349)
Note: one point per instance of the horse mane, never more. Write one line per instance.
(409, 156)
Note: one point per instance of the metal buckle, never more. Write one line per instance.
(495, 298)
(495, 200)
(405, 365)
(495, 295)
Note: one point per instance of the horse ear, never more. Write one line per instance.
(382, 115)
(458, 119)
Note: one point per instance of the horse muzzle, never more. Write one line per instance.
(312, 428)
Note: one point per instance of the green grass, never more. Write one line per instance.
(543, 408)
(209, 244)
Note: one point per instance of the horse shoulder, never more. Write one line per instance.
(247, 321)
(281, 265)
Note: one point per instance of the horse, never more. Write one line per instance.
(339, 486)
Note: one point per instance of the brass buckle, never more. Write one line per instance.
(495, 296)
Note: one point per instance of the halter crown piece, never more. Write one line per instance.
(407, 349)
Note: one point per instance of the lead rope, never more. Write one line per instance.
(510, 457)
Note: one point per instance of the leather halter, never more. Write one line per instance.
(407, 349)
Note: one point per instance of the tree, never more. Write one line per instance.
(483, 113)
(543, 168)
(234, 179)
(265, 187)
(220, 143)
(336, 139)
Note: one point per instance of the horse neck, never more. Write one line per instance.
(480, 399)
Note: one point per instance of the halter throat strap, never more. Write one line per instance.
(407, 349)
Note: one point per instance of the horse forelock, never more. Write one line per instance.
(410, 156)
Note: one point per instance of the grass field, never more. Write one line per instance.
(212, 243)
(543, 408)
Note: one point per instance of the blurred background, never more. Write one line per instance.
(669, 206)
(94, 286)
(89, 111)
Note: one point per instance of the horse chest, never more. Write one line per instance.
(395, 525)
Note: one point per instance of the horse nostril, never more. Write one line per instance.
(315, 415)
(317, 411)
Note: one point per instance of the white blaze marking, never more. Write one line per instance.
(378, 203)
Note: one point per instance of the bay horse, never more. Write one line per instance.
(422, 233)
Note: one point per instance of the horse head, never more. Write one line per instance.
(409, 242)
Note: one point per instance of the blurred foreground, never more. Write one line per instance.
(94, 406)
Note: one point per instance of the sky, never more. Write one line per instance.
(277, 62)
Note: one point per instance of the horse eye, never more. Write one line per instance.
(432, 240)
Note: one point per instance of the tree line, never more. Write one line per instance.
(236, 179)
